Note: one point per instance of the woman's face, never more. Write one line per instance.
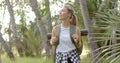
(64, 14)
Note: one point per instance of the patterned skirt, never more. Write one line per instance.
(67, 57)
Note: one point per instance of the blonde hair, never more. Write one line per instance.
(73, 17)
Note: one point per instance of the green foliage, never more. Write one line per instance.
(106, 20)
(29, 33)
(76, 6)
(30, 39)
(107, 24)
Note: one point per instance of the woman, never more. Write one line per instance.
(66, 49)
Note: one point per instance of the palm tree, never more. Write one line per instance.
(104, 16)
(88, 25)
(108, 36)
(15, 33)
(43, 31)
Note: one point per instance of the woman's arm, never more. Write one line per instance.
(53, 38)
(79, 37)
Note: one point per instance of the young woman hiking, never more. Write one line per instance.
(66, 41)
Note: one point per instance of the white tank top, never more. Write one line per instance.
(65, 43)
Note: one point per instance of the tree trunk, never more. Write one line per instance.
(0, 56)
(10, 37)
(43, 31)
(48, 16)
(47, 4)
(6, 48)
(88, 26)
(15, 33)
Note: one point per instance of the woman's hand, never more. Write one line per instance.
(75, 38)
(53, 40)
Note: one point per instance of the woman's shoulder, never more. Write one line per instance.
(78, 28)
(56, 26)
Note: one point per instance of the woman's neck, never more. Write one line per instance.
(66, 24)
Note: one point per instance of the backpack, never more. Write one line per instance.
(72, 31)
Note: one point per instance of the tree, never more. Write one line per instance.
(107, 22)
(43, 32)
(76, 6)
(104, 16)
(88, 26)
(48, 18)
(0, 57)
(49, 23)
(14, 28)
(6, 47)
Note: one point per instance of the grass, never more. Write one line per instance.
(27, 60)
(85, 57)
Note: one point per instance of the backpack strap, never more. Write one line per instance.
(58, 30)
(72, 31)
